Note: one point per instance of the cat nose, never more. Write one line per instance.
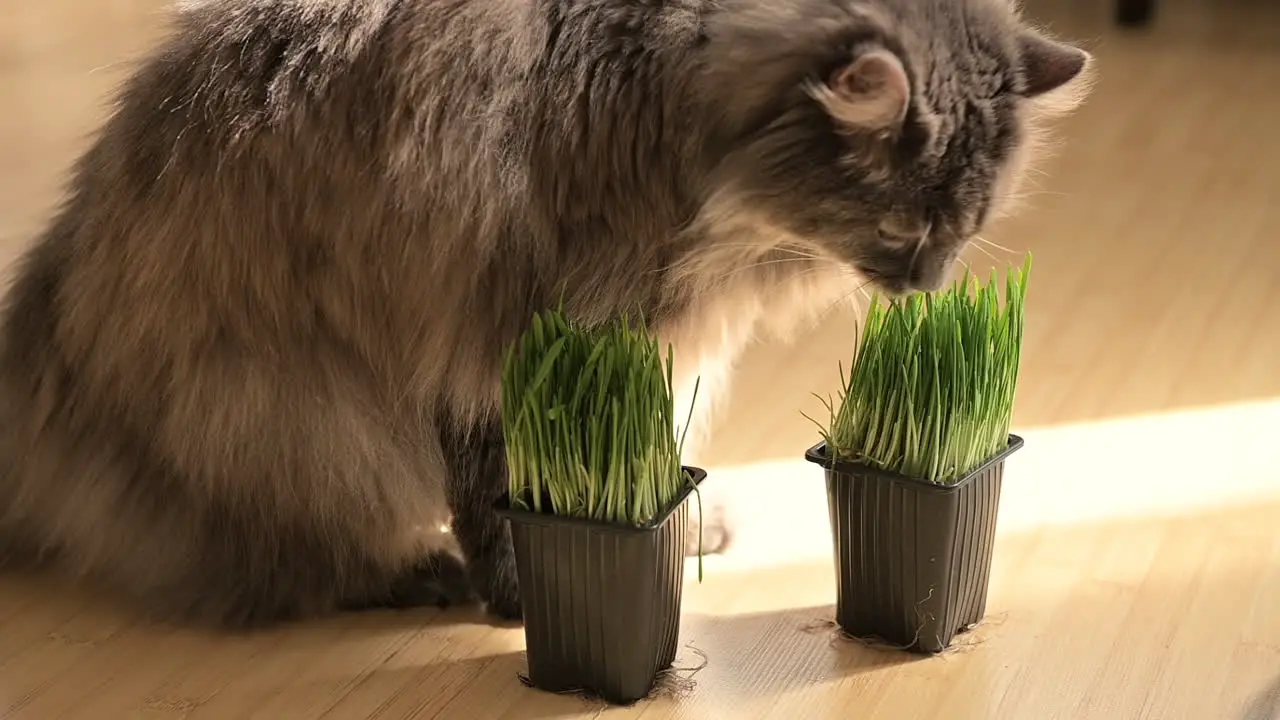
(905, 231)
(930, 270)
(926, 277)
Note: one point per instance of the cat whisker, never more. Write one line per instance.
(761, 249)
(740, 268)
(861, 288)
(775, 261)
(997, 246)
(915, 257)
(801, 252)
(694, 258)
(805, 272)
(1028, 194)
(986, 252)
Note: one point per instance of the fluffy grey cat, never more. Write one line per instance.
(250, 371)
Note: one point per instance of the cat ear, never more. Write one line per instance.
(1048, 65)
(872, 93)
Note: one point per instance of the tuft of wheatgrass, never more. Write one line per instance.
(931, 390)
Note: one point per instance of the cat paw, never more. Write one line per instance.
(506, 608)
(504, 600)
(439, 580)
(715, 526)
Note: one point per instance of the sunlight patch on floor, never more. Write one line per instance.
(1157, 465)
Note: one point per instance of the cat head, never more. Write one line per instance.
(885, 134)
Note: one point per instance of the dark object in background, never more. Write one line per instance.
(1135, 13)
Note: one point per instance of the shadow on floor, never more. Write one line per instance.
(1267, 704)
(747, 658)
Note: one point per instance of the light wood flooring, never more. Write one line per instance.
(1138, 569)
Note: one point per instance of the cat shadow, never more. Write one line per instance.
(1266, 706)
(404, 618)
(110, 607)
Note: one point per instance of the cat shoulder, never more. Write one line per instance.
(241, 63)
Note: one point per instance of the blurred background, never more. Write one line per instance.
(1138, 571)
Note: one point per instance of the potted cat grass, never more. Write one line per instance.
(914, 454)
(596, 505)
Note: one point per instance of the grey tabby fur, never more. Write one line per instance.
(250, 371)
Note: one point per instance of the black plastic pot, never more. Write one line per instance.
(601, 602)
(913, 558)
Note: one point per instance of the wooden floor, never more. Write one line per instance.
(1138, 569)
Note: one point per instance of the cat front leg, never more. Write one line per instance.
(476, 460)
